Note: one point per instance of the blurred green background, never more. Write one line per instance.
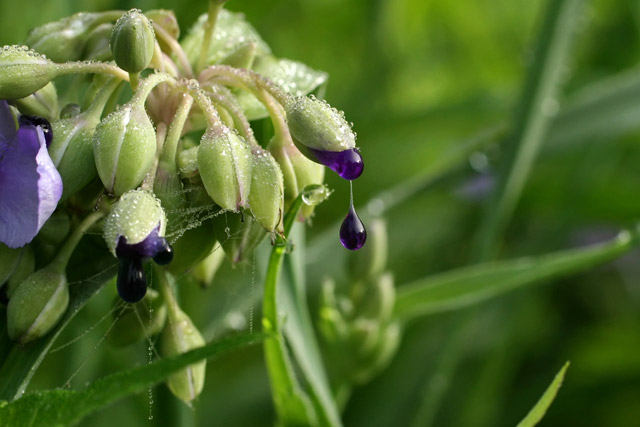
(418, 78)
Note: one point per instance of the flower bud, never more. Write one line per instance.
(371, 260)
(124, 146)
(135, 324)
(135, 217)
(239, 235)
(179, 336)
(70, 110)
(23, 72)
(133, 41)
(266, 198)
(37, 305)
(224, 162)
(323, 135)
(188, 162)
(43, 103)
(64, 40)
(378, 299)
(9, 259)
(205, 271)
(23, 269)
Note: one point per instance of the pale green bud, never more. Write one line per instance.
(37, 305)
(70, 110)
(134, 216)
(43, 103)
(23, 72)
(315, 124)
(133, 41)
(124, 146)
(370, 261)
(206, 270)
(179, 336)
(225, 162)
(134, 324)
(266, 198)
(188, 162)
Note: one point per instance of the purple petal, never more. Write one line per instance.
(149, 247)
(30, 186)
(348, 163)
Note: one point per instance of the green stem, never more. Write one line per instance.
(223, 96)
(92, 67)
(532, 122)
(205, 104)
(134, 80)
(175, 48)
(101, 99)
(61, 260)
(212, 17)
(248, 79)
(168, 156)
(147, 85)
(291, 402)
(161, 132)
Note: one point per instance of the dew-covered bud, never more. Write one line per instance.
(323, 135)
(124, 146)
(371, 260)
(179, 336)
(187, 161)
(64, 40)
(139, 321)
(266, 198)
(239, 234)
(23, 72)
(225, 162)
(133, 41)
(37, 305)
(43, 103)
(136, 216)
(70, 110)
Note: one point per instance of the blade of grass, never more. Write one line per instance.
(538, 411)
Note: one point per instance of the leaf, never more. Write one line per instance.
(67, 407)
(86, 279)
(230, 32)
(537, 412)
(470, 285)
(294, 77)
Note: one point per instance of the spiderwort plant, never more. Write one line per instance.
(174, 170)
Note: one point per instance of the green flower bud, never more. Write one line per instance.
(266, 198)
(23, 72)
(69, 111)
(43, 103)
(371, 260)
(168, 21)
(239, 235)
(124, 146)
(205, 271)
(134, 324)
(378, 299)
(64, 40)
(9, 259)
(37, 305)
(179, 336)
(188, 162)
(314, 124)
(25, 267)
(134, 216)
(133, 41)
(97, 47)
(224, 162)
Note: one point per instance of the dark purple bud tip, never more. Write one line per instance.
(165, 256)
(352, 231)
(39, 121)
(132, 282)
(348, 163)
(151, 246)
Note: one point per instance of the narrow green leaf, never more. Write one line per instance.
(67, 407)
(470, 285)
(538, 105)
(537, 412)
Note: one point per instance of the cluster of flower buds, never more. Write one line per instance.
(173, 175)
(355, 320)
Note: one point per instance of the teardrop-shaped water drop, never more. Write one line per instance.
(132, 282)
(348, 163)
(352, 231)
(165, 255)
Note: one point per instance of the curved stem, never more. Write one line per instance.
(147, 85)
(168, 156)
(212, 17)
(204, 102)
(223, 96)
(175, 48)
(161, 132)
(61, 260)
(92, 67)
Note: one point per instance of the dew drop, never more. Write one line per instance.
(348, 163)
(353, 235)
(132, 282)
(164, 256)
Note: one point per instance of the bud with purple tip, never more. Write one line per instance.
(323, 135)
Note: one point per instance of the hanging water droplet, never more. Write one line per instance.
(165, 255)
(353, 235)
(348, 163)
(132, 282)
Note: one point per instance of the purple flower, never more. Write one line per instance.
(30, 185)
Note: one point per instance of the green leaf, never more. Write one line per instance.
(537, 412)
(18, 363)
(470, 285)
(67, 407)
(294, 77)
(230, 32)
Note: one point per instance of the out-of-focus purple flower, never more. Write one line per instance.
(30, 185)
